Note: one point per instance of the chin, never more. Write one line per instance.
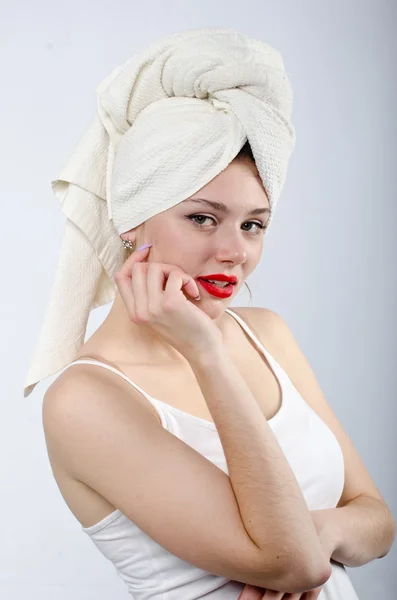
(212, 307)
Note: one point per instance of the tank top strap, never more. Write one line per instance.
(94, 361)
(276, 367)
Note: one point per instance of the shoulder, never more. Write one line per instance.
(279, 339)
(78, 379)
(74, 391)
(270, 328)
(274, 332)
(255, 315)
(264, 317)
(83, 406)
(85, 393)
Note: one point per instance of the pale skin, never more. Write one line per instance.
(226, 243)
(136, 313)
(219, 248)
(328, 541)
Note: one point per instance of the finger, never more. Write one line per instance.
(123, 279)
(251, 592)
(174, 285)
(191, 287)
(171, 285)
(124, 284)
(139, 292)
(136, 256)
(312, 594)
(186, 282)
(136, 296)
(140, 256)
(155, 284)
(142, 289)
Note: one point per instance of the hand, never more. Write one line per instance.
(326, 530)
(252, 592)
(166, 310)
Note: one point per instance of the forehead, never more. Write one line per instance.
(223, 208)
(239, 185)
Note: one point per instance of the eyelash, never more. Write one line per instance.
(191, 217)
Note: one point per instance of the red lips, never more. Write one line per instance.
(220, 277)
(214, 290)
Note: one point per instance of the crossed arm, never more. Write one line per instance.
(358, 532)
(361, 527)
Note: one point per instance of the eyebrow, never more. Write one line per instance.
(225, 209)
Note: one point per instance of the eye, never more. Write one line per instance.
(260, 226)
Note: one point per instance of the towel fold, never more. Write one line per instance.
(168, 121)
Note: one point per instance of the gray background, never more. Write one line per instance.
(327, 267)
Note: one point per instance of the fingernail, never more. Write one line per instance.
(144, 246)
(197, 297)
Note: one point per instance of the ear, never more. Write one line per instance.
(127, 234)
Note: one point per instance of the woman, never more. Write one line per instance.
(232, 477)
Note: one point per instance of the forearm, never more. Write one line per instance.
(272, 507)
(360, 531)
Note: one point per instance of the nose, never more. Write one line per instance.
(231, 250)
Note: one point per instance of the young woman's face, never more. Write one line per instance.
(202, 239)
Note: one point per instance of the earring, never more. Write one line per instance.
(128, 244)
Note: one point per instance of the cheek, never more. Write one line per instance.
(179, 237)
(172, 245)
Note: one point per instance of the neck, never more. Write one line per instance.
(124, 341)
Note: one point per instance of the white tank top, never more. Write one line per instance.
(313, 452)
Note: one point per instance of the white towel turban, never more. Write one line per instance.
(168, 121)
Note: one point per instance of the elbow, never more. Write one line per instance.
(293, 576)
(302, 577)
(312, 580)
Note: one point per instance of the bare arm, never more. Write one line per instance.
(107, 437)
(360, 531)
(271, 504)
